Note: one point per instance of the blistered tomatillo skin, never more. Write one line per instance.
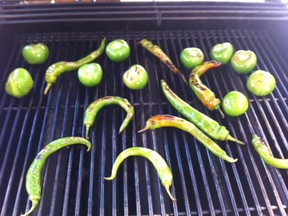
(222, 52)
(90, 75)
(191, 57)
(136, 77)
(243, 61)
(19, 83)
(118, 50)
(35, 53)
(235, 103)
(261, 83)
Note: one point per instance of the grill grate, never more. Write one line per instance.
(203, 184)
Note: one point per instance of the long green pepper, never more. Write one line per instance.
(266, 154)
(155, 158)
(160, 121)
(159, 53)
(55, 70)
(204, 94)
(209, 126)
(93, 109)
(33, 176)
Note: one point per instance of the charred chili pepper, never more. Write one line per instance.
(205, 95)
(93, 109)
(158, 162)
(55, 70)
(159, 53)
(209, 126)
(266, 154)
(33, 176)
(160, 121)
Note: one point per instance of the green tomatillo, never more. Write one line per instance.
(191, 57)
(261, 83)
(118, 50)
(90, 75)
(235, 103)
(243, 61)
(19, 83)
(136, 77)
(222, 52)
(35, 53)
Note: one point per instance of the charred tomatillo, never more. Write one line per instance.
(261, 83)
(222, 52)
(136, 77)
(90, 75)
(118, 50)
(191, 57)
(243, 61)
(35, 53)
(19, 83)
(235, 103)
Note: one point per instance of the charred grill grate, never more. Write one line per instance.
(203, 184)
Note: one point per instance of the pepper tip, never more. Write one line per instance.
(235, 140)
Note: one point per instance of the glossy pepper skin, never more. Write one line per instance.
(204, 94)
(155, 158)
(266, 154)
(159, 53)
(160, 121)
(93, 109)
(209, 126)
(33, 176)
(55, 70)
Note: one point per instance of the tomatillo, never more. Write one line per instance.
(222, 52)
(243, 61)
(35, 53)
(191, 57)
(235, 103)
(90, 75)
(118, 50)
(19, 83)
(136, 77)
(261, 83)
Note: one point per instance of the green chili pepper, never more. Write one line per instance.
(159, 121)
(94, 108)
(203, 122)
(204, 94)
(55, 70)
(33, 176)
(158, 162)
(158, 52)
(266, 154)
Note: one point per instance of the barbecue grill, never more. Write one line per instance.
(73, 179)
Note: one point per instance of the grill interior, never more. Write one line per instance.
(203, 184)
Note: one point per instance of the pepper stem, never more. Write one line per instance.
(221, 112)
(143, 130)
(33, 207)
(234, 140)
(48, 86)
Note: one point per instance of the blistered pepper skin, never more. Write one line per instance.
(56, 69)
(33, 176)
(209, 126)
(160, 121)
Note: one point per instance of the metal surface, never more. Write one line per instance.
(203, 184)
